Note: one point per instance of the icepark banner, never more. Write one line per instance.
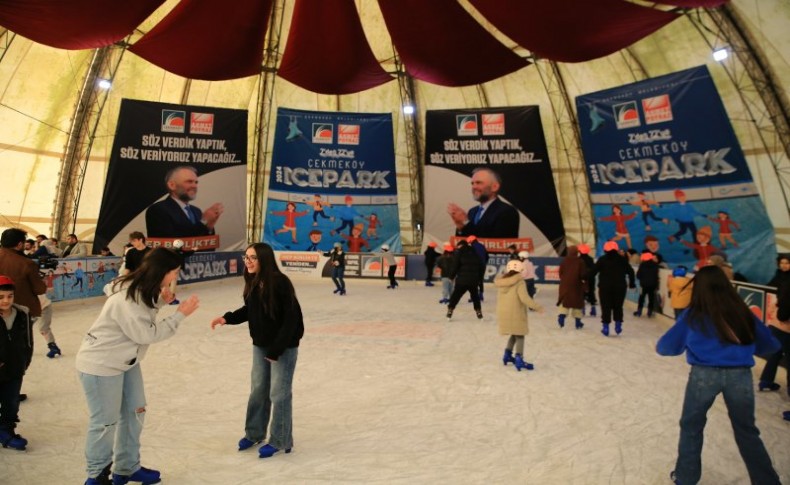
(332, 180)
(464, 144)
(667, 173)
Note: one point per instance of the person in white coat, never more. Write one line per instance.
(108, 362)
(512, 306)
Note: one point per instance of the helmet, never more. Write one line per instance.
(583, 248)
(523, 254)
(432, 244)
(385, 247)
(679, 272)
(515, 265)
(611, 246)
(448, 247)
(648, 256)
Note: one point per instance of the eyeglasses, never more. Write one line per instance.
(249, 258)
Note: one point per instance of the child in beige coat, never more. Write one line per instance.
(511, 312)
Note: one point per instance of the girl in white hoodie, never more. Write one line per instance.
(109, 365)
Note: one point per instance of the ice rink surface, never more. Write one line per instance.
(388, 391)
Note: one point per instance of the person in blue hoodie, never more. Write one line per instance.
(720, 337)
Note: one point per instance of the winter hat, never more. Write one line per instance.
(385, 247)
(648, 256)
(523, 254)
(471, 239)
(6, 281)
(515, 265)
(610, 246)
(448, 247)
(705, 230)
(679, 272)
(583, 248)
(432, 244)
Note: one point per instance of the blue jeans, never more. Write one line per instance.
(447, 288)
(337, 277)
(735, 384)
(113, 402)
(270, 397)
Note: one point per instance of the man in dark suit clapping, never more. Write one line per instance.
(492, 218)
(174, 216)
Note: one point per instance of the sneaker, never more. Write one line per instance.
(337, 291)
(267, 451)
(768, 386)
(9, 439)
(102, 479)
(479, 314)
(342, 292)
(144, 475)
(54, 350)
(449, 313)
(244, 443)
(428, 283)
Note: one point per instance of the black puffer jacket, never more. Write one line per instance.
(782, 283)
(467, 267)
(16, 345)
(275, 334)
(612, 269)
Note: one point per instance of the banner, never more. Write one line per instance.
(666, 172)
(332, 180)
(176, 172)
(487, 174)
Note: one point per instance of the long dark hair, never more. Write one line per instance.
(714, 300)
(145, 282)
(268, 281)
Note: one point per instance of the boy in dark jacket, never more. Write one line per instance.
(647, 274)
(16, 352)
(612, 270)
(466, 272)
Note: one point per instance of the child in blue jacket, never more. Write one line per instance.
(720, 336)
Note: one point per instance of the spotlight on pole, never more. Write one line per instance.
(408, 109)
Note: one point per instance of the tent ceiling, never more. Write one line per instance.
(439, 41)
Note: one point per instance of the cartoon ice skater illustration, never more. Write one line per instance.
(620, 229)
(684, 215)
(355, 240)
(100, 271)
(347, 213)
(703, 249)
(725, 228)
(289, 225)
(318, 209)
(315, 238)
(90, 281)
(647, 212)
(79, 275)
(373, 224)
(293, 130)
(596, 120)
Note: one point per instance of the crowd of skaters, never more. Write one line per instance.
(462, 270)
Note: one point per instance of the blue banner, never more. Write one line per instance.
(332, 180)
(667, 173)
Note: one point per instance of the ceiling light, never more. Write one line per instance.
(720, 54)
(408, 109)
(105, 83)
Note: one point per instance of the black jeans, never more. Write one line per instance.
(650, 293)
(772, 361)
(611, 303)
(9, 404)
(459, 291)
